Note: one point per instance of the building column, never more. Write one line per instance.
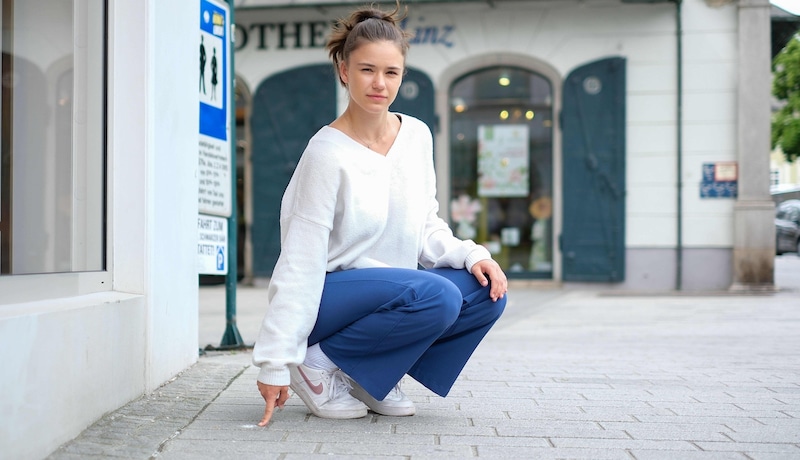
(754, 211)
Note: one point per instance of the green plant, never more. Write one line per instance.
(786, 88)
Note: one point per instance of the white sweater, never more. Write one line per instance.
(348, 207)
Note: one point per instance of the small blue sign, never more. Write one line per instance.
(716, 184)
(221, 258)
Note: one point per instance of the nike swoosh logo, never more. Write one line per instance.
(317, 389)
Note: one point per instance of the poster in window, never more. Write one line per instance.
(503, 164)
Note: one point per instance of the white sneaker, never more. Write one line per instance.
(396, 403)
(326, 393)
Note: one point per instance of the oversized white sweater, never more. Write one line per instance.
(348, 207)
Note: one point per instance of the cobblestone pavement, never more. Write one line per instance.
(582, 375)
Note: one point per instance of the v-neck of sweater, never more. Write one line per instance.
(347, 139)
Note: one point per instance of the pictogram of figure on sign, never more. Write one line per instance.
(202, 65)
(214, 75)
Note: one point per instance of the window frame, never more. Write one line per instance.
(24, 288)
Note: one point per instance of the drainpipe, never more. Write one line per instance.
(679, 134)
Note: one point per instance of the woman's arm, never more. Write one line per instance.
(295, 290)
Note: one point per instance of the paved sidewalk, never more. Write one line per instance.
(564, 374)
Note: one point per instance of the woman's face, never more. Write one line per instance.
(373, 74)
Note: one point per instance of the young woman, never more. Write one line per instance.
(349, 311)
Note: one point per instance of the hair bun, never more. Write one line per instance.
(372, 15)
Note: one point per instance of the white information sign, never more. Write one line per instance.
(214, 177)
(212, 245)
(503, 165)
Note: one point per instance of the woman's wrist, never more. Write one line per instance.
(277, 376)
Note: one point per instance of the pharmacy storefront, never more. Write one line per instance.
(556, 129)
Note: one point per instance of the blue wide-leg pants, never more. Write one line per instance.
(378, 324)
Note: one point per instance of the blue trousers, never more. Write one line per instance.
(378, 324)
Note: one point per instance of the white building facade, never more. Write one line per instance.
(603, 141)
(98, 280)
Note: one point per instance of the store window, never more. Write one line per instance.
(501, 186)
(52, 168)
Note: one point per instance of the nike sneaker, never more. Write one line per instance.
(396, 403)
(326, 393)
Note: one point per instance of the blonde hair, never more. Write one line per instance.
(366, 24)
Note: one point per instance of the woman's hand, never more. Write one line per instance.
(491, 269)
(274, 396)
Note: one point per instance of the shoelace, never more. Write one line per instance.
(339, 384)
(395, 393)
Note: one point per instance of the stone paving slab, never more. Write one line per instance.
(140, 428)
(562, 375)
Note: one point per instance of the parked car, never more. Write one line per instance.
(787, 227)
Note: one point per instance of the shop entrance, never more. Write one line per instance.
(501, 164)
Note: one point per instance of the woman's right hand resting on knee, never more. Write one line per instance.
(274, 396)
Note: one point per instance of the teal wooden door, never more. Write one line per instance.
(593, 129)
(416, 97)
(288, 108)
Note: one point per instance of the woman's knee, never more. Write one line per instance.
(443, 298)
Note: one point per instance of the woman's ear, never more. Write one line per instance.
(343, 72)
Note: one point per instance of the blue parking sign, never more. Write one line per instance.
(221, 258)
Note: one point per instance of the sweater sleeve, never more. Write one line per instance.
(295, 290)
(442, 249)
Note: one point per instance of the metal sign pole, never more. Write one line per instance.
(232, 338)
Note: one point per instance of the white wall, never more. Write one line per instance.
(173, 122)
(710, 117)
(65, 363)
(68, 360)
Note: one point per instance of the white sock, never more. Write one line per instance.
(317, 359)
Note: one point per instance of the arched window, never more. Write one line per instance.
(501, 165)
